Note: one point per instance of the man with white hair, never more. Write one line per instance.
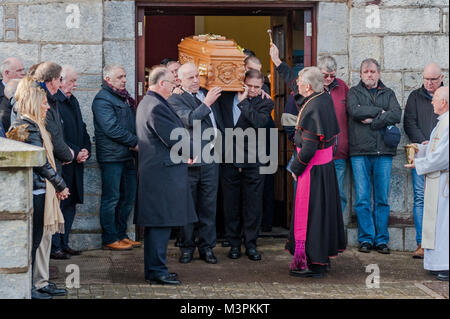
(317, 228)
(10, 68)
(196, 107)
(373, 111)
(418, 122)
(338, 90)
(432, 161)
(76, 136)
(116, 143)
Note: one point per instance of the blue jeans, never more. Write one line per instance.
(418, 185)
(341, 167)
(372, 226)
(117, 201)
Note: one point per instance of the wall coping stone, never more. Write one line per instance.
(18, 154)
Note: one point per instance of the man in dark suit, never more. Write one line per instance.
(199, 113)
(243, 110)
(77, 138)
(164, 196)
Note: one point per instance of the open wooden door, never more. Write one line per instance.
(140, 53)
(293, 35)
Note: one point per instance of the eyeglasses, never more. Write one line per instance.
(327, 75)
(432, 79)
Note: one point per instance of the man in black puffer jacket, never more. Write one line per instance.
(372, 108)
(116, 141)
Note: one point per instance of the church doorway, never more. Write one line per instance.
(160, 26)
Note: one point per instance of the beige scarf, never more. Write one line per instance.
(53, 218)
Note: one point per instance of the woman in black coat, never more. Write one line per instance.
(29, 128)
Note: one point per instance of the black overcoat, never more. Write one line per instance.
(77, 138)
(164, 194)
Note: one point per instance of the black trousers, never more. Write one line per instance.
(156, 240)
(204, 181)
(249, 183)
(268, 201)
(38, 224)
(68, 208)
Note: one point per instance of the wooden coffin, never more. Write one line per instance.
(219, 61)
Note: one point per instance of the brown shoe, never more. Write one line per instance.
(117, 245)
(418, 254)
(133, 243)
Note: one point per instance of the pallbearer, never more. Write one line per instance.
(317, 227)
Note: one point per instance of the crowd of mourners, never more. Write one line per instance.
(332, 127)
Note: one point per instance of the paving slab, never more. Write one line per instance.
(120, 275)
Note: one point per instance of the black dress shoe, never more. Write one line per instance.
(253, 254)
(226, 244)
(383, 249)
(305, 273)
(52, 290)
(365, 248)
(72, 252)
(59, 254)
(443, 275)
(209, 257)
(235, 253)
(185, 258)
(35, 294)
(164, 280)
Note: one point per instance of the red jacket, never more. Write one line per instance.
(339, 92)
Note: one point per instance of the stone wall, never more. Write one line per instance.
(16, 207)
(87, 34)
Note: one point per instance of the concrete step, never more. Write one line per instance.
(401, 237)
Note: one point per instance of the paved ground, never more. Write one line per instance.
(119, 275)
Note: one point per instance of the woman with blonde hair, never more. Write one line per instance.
(48, 187)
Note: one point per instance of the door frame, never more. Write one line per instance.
(250, 8)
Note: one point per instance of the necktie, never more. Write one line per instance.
(197, 101)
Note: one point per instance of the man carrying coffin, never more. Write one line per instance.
(198, 112)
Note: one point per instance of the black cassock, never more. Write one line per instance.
(317, 227)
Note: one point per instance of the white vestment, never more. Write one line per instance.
(431, 159)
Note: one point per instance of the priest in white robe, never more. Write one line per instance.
(432, 160)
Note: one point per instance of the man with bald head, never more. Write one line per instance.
(10, 69)
(418, 122)
(432, 161)
(197, 110)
